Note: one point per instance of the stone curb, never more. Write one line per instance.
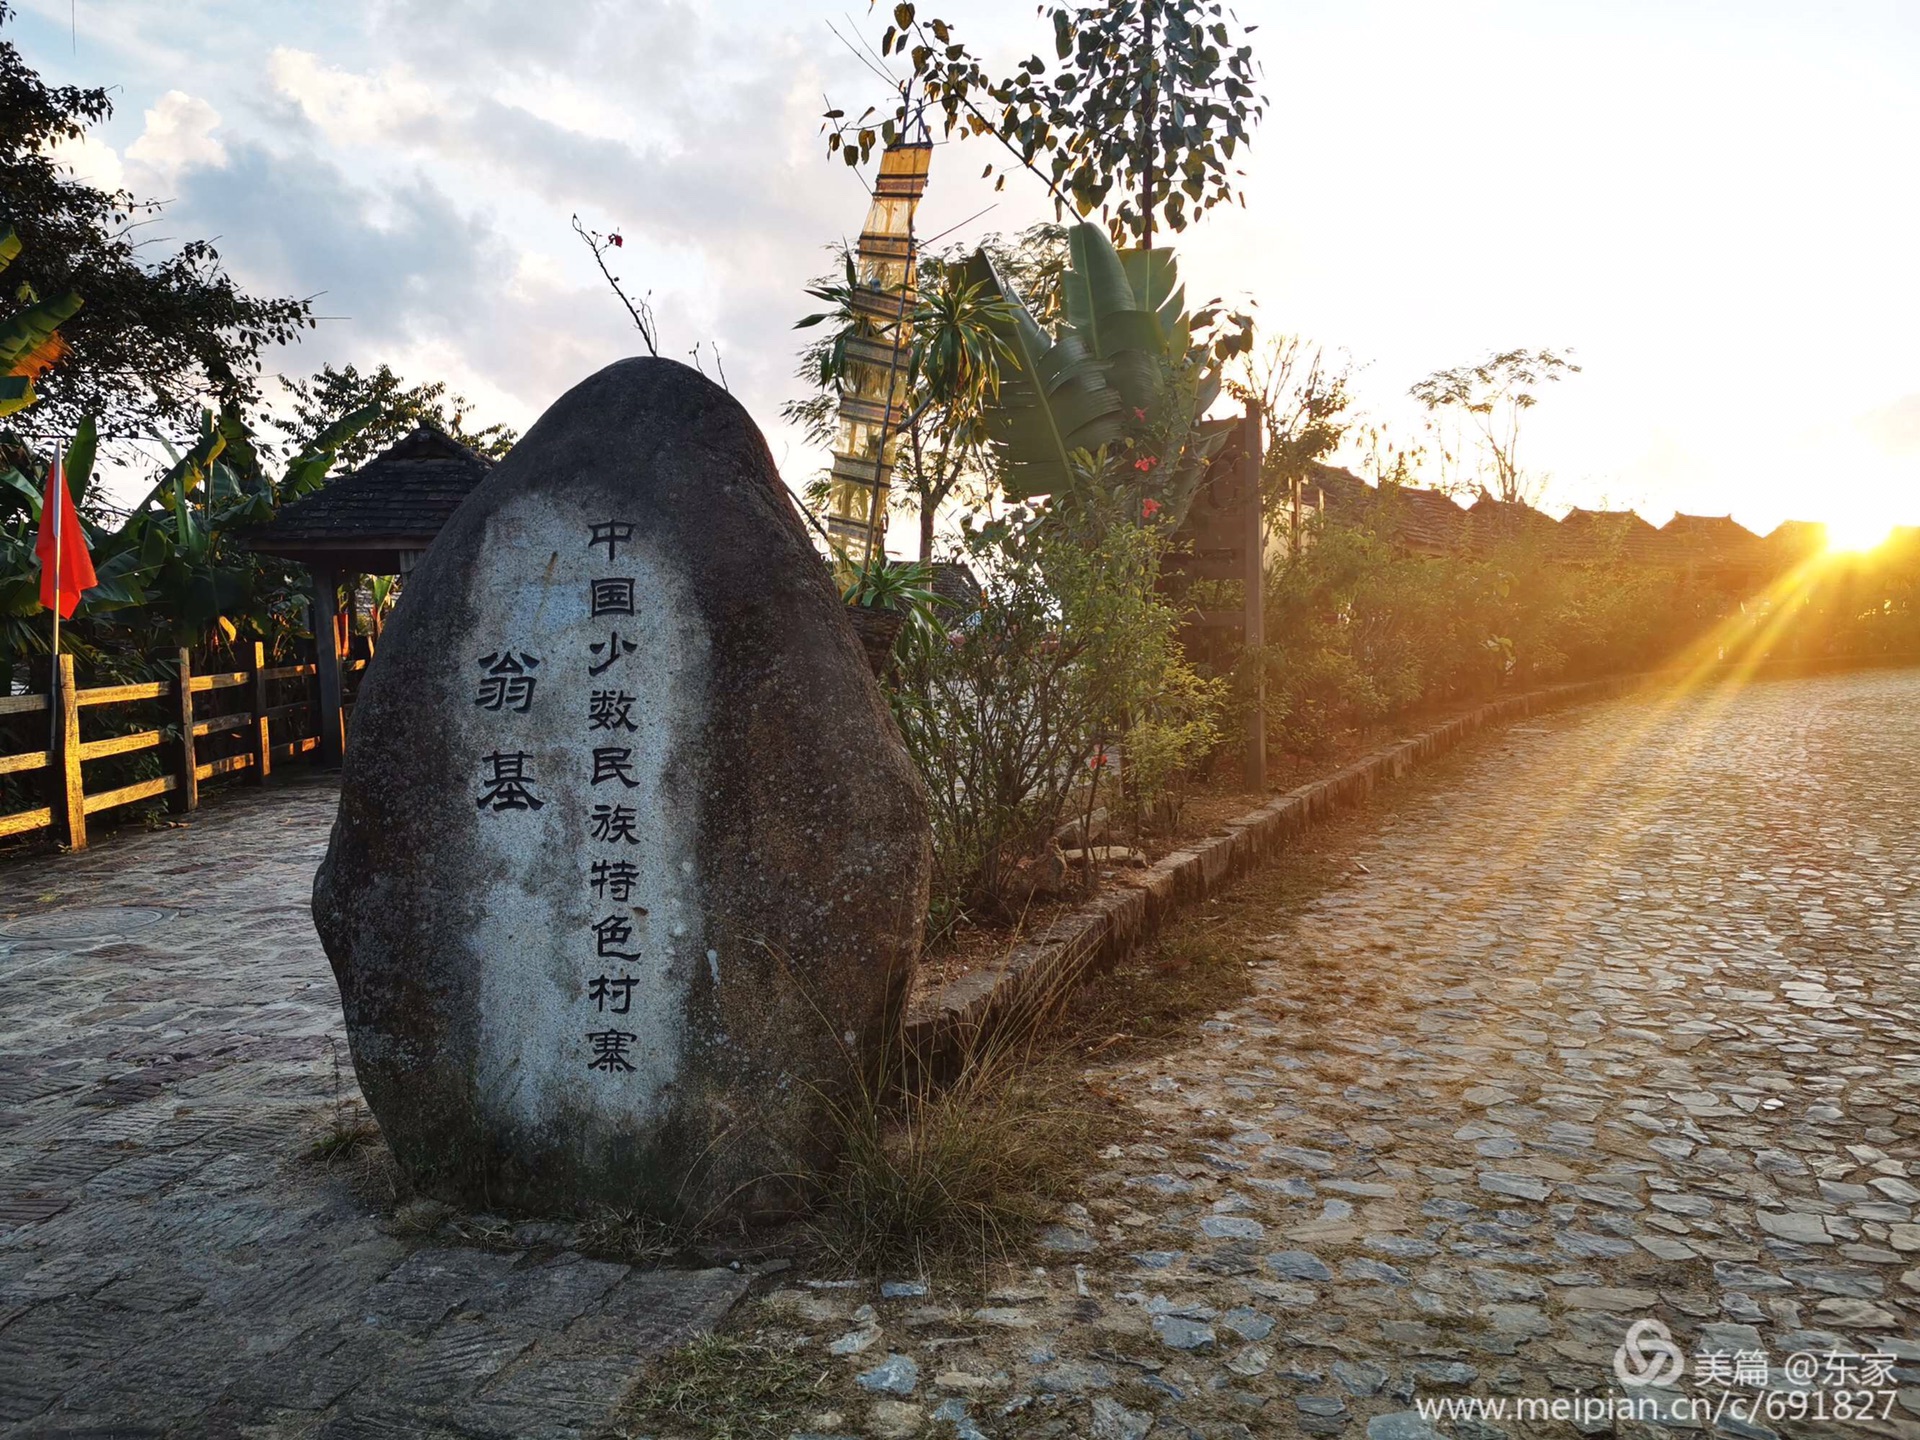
(1098, 935)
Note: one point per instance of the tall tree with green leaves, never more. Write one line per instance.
(1140, 115)
(160, 334)
(398, 408)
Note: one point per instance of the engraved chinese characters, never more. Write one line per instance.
(507, 688)
(627, 843)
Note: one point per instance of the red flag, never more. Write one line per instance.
(60, 527)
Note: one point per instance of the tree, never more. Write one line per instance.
(1490, 398)
(157, 336)
(333, 391)
(1305, 410)
(1139, 117)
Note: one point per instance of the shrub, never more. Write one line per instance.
(1009, 713)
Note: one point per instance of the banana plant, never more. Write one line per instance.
(23, 627)
(169, 574)
(29, 339)
(1118, 394)
(199, 584)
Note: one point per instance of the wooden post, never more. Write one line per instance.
(326, 657)
(259, 743)
(68, 796)
(1253, 547)
(185, 796)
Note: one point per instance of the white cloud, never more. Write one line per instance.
(92, 161)
(382, 108)
(178, 137)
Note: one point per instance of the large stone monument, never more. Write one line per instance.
(631, 864)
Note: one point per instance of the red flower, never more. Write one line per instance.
(1146, 463)
(615, 240)
(1098, 762)
(1139, 414)
(1149, 508)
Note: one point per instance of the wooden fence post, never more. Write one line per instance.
(326, 656)
(185, 796)
(68, 797)
(1253, 540)
(259, 744)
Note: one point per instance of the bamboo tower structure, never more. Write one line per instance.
(873, 398)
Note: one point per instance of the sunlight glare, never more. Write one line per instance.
(1855, 534)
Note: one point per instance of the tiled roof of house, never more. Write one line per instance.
(1713, 540)
(1710, 529)
(1599, 535)
(1492, 522)
(1429, 521)
(1424, 520)
(1798, 538)
(953, 584)
(1328, 487)
(396, 502)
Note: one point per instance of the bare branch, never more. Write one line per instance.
(642, 312)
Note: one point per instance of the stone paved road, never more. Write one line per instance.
(1620, 1023)
(171, 1262)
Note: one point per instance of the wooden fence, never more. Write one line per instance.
(200, 736)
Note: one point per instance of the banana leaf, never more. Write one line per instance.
(24, 331)
(29, 492)
(1101, 307)
(305, 473)
(80, 455)
(1154, 276)
(1054, 399)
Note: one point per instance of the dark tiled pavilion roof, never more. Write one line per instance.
(388, 510)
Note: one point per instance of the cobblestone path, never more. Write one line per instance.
(171, 1259)
(1620, 1023)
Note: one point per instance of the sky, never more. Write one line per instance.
(1709, 203)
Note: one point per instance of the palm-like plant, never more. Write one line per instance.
(954, 369)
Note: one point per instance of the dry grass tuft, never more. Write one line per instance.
(349, 1131)
(725, 1387)
(939, 1176)
(634, 1239)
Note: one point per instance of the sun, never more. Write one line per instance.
(1857, 533)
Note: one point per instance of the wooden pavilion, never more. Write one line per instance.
(377, 520)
